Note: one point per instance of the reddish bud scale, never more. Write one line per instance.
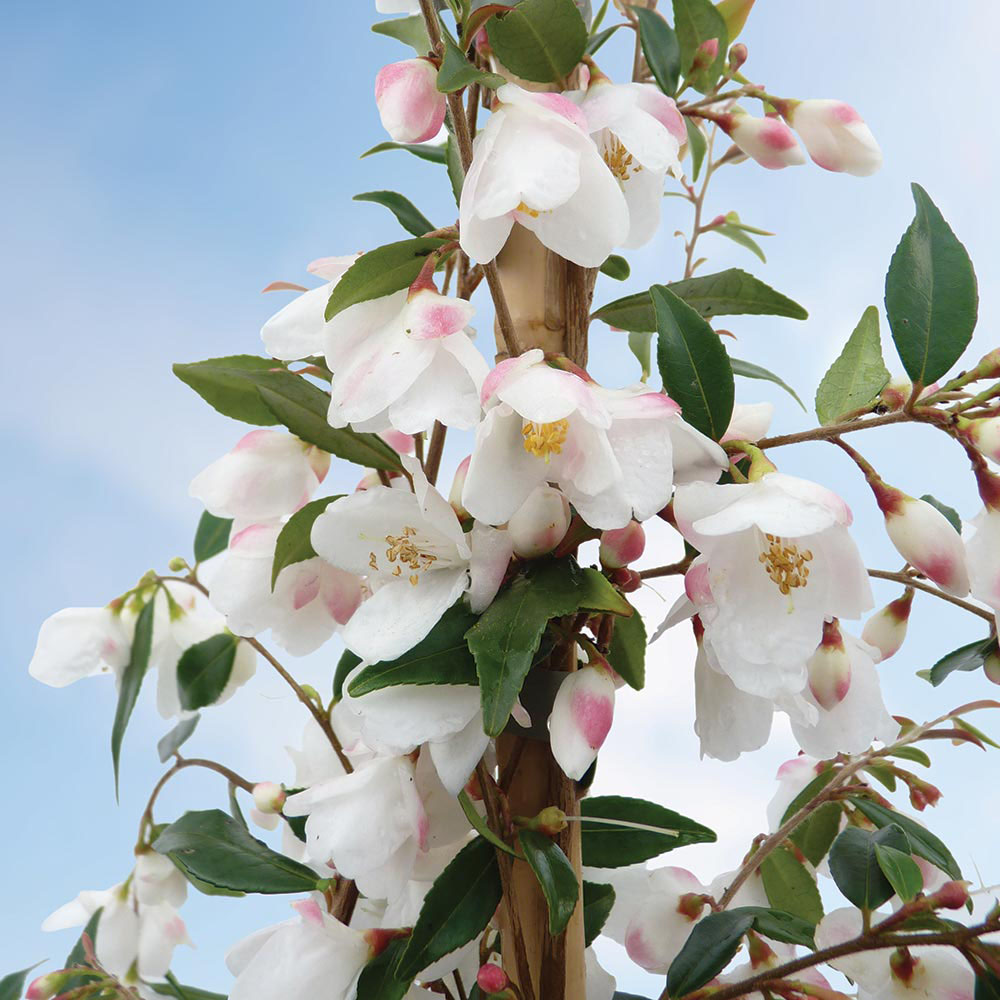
(626, 580)
(760, 952)
(691, 905)
(379, 938)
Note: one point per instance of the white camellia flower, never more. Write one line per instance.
(749, 422)
(615, 453)
(296, 331)
(311, 955)
(81, 642)
(404, 361)
(601, 984)
(793, 776)
(769, 141)
(777, 561)
(158, 880)
(639, 132)
(267, 475)
(534, 164)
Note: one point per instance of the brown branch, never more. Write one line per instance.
(834, 430)
(910, 581)
(432, 464)
(671, 569)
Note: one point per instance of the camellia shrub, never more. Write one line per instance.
(438, 839)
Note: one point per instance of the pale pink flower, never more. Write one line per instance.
(409, 104)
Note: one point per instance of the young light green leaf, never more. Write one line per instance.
(598, 899)
(969, 657)
(211, 537)
(224, 384)
(740, 236)
(539, 40)
(294, 544)
(790, 887)
(697, 22)
(131, 681)
(481, 827)
(177, 737)
(697, 146)
(734, 13)
(693, 364)
(708, 950)
(660, 47)
(616, 267)
(627, 653)
(408, 30)
(432, 152)
(596, 593)
(931, 297)
(598, 39)
(855, 379)
(407, 214)
(555, 875)
(639, 344)
(855, 867)
(456, 173)
(747, 369)
(901, 870)
(204, 669)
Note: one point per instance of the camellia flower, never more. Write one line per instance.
(404, 361)
(639, 132)
(663, 920)
(296, 331)
(615, 454)
(81, 642)
(267, 475)
(409, 103)
(535, 164)
(581, 718)
(835, 135)
(749, 422)
(769, 141)
(777, 561)
(397, 6)
(793, 776)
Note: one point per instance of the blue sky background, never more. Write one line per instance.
(162, 163)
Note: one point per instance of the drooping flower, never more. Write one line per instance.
(835, 135)
(81, 642)
(615, 454)
(409, 104)
(534, 164)
(581, 718)
(404, 361)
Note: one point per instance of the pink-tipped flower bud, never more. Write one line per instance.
(492, 980)
(830, 668)
(268, 797)
(47, 986)
(409, 103)
(922, 793)
(769, 141)
(581, 718)
(738, 55)
(540, 523)
(835, 135)
(621, 546)
(951, 896)
(457, 485)
(705, 54)
(924, 537)
(886, 629)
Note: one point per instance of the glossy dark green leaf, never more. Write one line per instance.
(457, 72)
(628, 650)
(814, 837)
(612, 845)
(696, 22)
(747, 369)
(969, 657)
(598, 899)
(855, 867)
(987, 985)
(442, 657)
(347, 662)
(408, 30)
(539, 40)
(204, 669)
(790, 887)
(923, 843)
(931, 297)
(901, 870)
(176, 738)
(407, 214)
(697, 146)
(616, 267)
(457, 908)
(710, 946)
(780, 925)
(294, 543)
(224, 384)
(211, 537)
(216, 849)
(660, 47)
(12, 985)
(131, 681)
(555, 875)
(855, 380)
(378, 978)
(693, 364)
(432, 152)
(381, 271)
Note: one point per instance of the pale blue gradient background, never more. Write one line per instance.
(162, 163)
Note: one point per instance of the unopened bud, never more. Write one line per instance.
(896, 393)
(621, 546)
(626, 580)
(268, 797)
(550, 821)
(951, 896)
(886, 629)
(835, 135)
(922, 793)
(737, 57)
(769, 141)
(705, 54)
(177, 565)
(409, 103)
(49, 985)
(493, 981)
(540, 523)
(830, 668)
(581, 718)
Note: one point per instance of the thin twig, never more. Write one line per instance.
(432, 464)
(834, 430)
(910, 581)
(671, 569)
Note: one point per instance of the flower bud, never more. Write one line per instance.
(409, 103)
(830, 668)
(492, 981)
(769, 141)
(581, 718)
(886, 629)
(268, 797)
(49, 985)
(737, 57)
(983, 435)
(705, 54)
(922, 793)
(540, 523)
(835, 136)
(621, 546)
(951, 896)
(550, 821)
(626, 580)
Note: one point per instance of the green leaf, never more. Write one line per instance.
(911, 753)
(740, 236)
(728, 293)
(442, 657)
(627, 653)
(697, 146)
(790, 887)
(212, 536)
(855, 868)
(616, 267)
(457, 908)
(378, 978)
(381, 271)
(408, 30)
(539, 40)
(481, 827)
(734, 13)
(597, 40)
(708, 950)
(883, 774)
(432, 152)
(987, 985)
(780, 925)
(456, 173)
(661, 49)
(969, 657)
(855, 379)
(78, 955)
(697, 21)
(216, 849)
(457, 72)
(598, 899)
(131, 681)
(347, 662)
(808, 793)
(609, 845)
(639, 345)
(596, 593)
(951, 515)
(408, 215)
(181, 992)
(204, 669)
(555, 875)
(901, 870)
(931, 297)
(224, 384)
(814, 837)
(923, 843)
(747, 369)
(176, 738)
(294, 544)
(693, 364)
(12, 986)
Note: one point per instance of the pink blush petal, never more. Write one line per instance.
(305, 591)
(593, 715)
(309, 910)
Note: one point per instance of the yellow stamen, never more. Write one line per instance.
(403, 551)
(534, 213)
(620, 161)
(544, 440)
(785, 564)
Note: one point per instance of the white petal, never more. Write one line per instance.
(296, 331)
(80, 642)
